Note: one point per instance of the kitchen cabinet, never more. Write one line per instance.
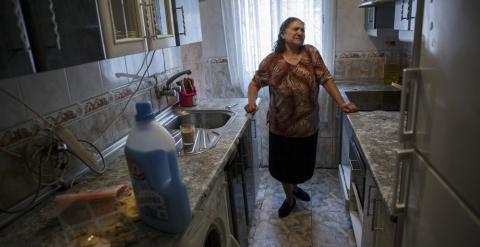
(405, 11)
(133, 26)
(187, 22)
(63, 33)
(15, 52)
(379, 228)
(241, 173)
(379, 19)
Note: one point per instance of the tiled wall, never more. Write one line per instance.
(84, 98)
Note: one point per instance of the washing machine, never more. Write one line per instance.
(210, 225)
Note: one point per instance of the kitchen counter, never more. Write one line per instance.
(377, 133)
(40, 227)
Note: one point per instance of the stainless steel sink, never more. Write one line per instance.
(375, 100)
(209, 125)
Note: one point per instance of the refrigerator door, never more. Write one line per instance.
(435, 216)
(446, 115)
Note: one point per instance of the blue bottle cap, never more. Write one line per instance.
(144, 111)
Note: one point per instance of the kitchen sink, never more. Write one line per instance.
(375, 100)
(209, 125)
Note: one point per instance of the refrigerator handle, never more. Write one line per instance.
(408, 102)
(400, 190)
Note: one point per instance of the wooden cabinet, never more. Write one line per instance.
(187, 22)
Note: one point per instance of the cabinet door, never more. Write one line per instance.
(15, 53)
(63, 32)
(412, 10)
(122, 27)
(158, 16)
(187, 22)
(369, 211)
(384, 226)
(401, 15)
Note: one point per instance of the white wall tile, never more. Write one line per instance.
(158, 63)
(45, 92)
(134, 63)
(84, 81)
(192, 53)
(108, 68)
(11, 111)
(173, 57)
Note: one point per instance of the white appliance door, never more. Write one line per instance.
(435, 216)
(446, 116)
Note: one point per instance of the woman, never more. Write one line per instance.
(294, 73)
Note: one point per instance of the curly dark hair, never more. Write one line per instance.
(279, 45)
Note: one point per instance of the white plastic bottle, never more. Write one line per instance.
(160, 192)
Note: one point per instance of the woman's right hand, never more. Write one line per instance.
(251, 107)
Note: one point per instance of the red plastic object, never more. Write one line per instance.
(186, 98)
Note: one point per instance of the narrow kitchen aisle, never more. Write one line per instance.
(322, 222)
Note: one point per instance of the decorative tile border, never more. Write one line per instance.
(96, 103)
(217, 60)
(355, 54)
(123, 93)
(66, 115)
(18, 133)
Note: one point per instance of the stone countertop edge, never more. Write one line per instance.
(377, 134)
(39, 226)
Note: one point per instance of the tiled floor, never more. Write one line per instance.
(322, 222)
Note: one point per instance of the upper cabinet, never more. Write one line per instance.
(187, 22)
(63, 33)
(15, 51)
(133, 26)
(41, 35)
(405, 11)
(379, 17)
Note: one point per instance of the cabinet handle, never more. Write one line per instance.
(400, 189)
(183, 21)
(55, 25)
(375, 216)
(370, 187)
(408, 103)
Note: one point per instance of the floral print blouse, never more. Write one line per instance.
(293, 109)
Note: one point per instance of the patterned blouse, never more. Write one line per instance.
(293, 110)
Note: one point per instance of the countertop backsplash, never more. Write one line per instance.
(85, 99)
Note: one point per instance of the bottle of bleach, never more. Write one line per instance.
(160, 192)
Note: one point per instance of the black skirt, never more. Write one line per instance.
(291, 159)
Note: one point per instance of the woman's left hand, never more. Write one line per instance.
(348, 107)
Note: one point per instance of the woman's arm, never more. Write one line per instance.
(252, 97)
(332, 90)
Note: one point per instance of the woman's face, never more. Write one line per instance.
(294, 35)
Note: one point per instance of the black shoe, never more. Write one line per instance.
(301, 194)
(286, 208)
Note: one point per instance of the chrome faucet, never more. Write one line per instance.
(173, 77)
(171, 90)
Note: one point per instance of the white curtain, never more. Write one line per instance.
(251, 28)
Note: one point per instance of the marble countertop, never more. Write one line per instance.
(40, 227)
(377, 133)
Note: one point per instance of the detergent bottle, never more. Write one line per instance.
(160, 192)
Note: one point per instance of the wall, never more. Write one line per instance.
(84, 98)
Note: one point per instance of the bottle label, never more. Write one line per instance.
(149, 202)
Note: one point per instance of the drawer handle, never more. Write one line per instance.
(400, 190)
(409, 97)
